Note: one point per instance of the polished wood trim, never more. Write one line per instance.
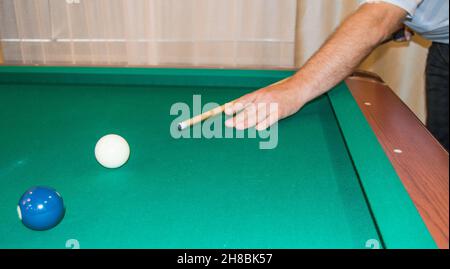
(420, 161)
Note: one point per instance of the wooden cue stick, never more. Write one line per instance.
(1, 54)
(213, 112)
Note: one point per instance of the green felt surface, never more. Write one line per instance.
(175, 193)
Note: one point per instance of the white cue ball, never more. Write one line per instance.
(112, 151)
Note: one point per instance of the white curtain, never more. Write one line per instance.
(226, 33)
(149, 32)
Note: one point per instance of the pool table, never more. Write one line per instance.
(329, 181)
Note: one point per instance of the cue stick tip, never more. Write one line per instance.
(182, 126)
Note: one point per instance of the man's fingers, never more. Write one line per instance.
(267, 122)
(245, 118)
(253, 115)
(244, 110)
(239, 104)
(409, 35)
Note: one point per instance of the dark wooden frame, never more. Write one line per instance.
(418, 158)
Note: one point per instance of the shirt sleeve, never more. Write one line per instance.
(409, 6)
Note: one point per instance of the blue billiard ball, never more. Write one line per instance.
(41, 208)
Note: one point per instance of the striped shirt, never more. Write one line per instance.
(429, 18)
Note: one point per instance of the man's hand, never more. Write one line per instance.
(265, 107)
(403, 35)
(354, 40)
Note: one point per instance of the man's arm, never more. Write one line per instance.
(353, 41)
